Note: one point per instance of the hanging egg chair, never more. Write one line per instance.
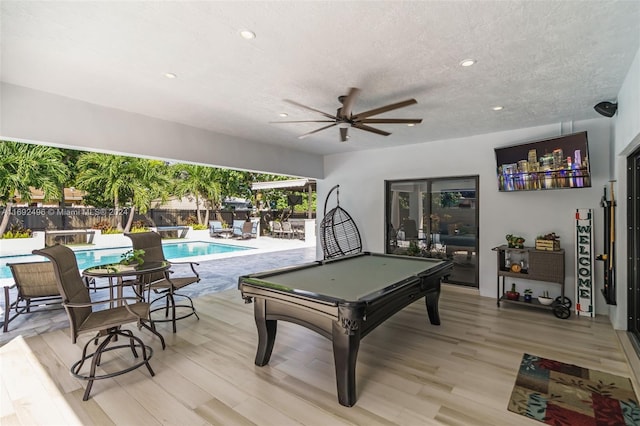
(339, 234)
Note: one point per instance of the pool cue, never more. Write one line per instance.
(612, 240)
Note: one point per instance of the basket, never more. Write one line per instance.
(339, 235)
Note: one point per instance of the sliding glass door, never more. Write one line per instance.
(435, 218)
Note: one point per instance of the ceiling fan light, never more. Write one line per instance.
(344, 125)
(467, 62)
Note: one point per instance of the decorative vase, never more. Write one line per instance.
(512, 295)
(527, 298)
(545, 300)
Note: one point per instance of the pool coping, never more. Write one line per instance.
(261, 245)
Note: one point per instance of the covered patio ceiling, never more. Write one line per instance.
(543, 62)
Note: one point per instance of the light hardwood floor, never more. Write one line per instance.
(409, 372)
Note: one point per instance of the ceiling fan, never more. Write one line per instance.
(345, 119)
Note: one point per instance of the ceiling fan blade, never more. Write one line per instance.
(303, 121)
(371, 129)
(392, 120)
(316, 131)
(384, 109)
(348, 102)
(311, 109)
(343, 134)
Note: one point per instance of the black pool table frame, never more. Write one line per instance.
(344, 322)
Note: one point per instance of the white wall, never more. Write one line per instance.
(361, 176)
(29, 115)
(627, 139)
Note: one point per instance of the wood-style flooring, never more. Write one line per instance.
(409, 372)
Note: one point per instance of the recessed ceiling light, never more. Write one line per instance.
(247, 35)
(170, 75)
(497, 108)
(467, 62)
(411, 124)
(283, 114)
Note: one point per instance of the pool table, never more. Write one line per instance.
(343, 299)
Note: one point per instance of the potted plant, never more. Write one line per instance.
(515, 241)
(132, 257)
(513, 294)
(528, 295)
(545, 299)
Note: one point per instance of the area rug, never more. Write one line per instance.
(561, 394)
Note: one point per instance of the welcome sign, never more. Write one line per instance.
(584, 263)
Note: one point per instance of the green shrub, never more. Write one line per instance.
(199, 227)
(17, 231)
(137, 229)
(111, 231)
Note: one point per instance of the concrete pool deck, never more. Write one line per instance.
(218, 273)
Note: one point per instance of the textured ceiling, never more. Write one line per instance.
(544, 61)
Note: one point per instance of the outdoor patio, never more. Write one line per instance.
(218, 273)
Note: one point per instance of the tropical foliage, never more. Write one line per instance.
(125, 184)
(24, 167)
(199, 182)
(122, 181)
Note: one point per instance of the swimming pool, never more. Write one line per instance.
(93, 257)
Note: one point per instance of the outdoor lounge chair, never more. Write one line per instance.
(165, 283)
(246, 231)
(215, 228)
(106, 323)
(36, 287)
(237, 228)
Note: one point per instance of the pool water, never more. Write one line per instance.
(88, 258)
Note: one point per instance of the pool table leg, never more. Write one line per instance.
(431, 300)
(266, 332)
(345, 353)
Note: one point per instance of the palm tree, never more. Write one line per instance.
(200, 183)
(25, 166)
(123, 180)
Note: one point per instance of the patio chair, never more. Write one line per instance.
(287, 230)
(410, 229)
(106, 323)
(246, 231)
(165, 284)
(35, 283)
(276, 229)
(254, 228)
(215, 228)
(237, 228)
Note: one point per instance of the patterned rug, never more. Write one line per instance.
(561, 394)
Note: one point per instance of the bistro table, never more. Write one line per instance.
(120, 271)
